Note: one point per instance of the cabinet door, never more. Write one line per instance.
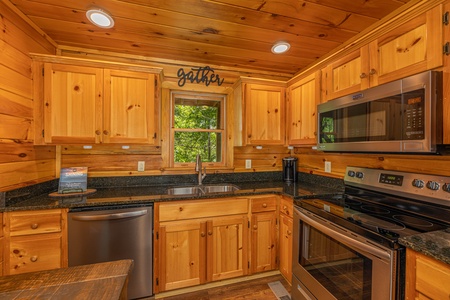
(182, 254)
(348, 74)
(130, 113)
(34, 253)
(303, 97)
(411, 48)
(426, 278)
(263, 247)
(264, 116)
(227, 247)
(72, 104)
(286, 247)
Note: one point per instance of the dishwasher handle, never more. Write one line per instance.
(113, 216)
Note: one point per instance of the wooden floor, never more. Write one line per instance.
(256, 289)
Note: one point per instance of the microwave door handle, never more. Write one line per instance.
(116, 216)
(332, 233)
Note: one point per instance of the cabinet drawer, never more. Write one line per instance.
(182, 210)
(287, 207)
(267, 203)
(34, 253)
(34, 222)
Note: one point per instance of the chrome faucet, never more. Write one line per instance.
(198, 169)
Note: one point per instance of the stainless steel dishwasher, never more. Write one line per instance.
(99, 234)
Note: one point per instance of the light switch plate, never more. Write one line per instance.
(328, 166)
(141, 166)
(248, 163)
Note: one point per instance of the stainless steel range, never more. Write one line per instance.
(346, 246)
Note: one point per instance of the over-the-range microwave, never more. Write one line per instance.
(400, 116)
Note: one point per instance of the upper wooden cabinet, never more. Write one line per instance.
(81, 104)
(302, 98)
(259, 109)
(408, 49)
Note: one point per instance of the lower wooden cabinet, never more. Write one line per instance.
(426, 278)
(285, 252)
(182, 254)
(214, 239)
(34, 240)
(226, 245)
(285, 238)
(200, 241)
(263, 234)
(1, 245)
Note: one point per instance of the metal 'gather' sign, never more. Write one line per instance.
(204, 75)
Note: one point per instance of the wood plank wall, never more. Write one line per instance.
(21, 163)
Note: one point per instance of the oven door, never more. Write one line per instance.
(331, 263)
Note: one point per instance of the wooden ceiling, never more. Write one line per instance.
(236, 34)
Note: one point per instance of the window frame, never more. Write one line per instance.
(221, 128)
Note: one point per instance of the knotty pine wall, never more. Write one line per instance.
(21, 163)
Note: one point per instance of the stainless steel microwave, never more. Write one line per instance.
(400, 116)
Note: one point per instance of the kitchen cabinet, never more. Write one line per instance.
(303, 96)
(285, 238)
(259, 108)
(410, 48)
(1, 245)
(82, 104)
(263, 234)
(200, 241)
(426, 278)
(35, 240)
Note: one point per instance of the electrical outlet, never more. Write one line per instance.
(328, 166)
(141, 166)
(248, 163)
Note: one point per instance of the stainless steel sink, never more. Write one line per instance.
(223, 188)
(202, 189)
(184, 190)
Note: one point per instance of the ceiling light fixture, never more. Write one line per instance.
(280, 47)
(100, 18)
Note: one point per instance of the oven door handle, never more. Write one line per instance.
(348, 240)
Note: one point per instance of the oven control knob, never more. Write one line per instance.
(433, 185)
(446, 187)
(360, 175)
(418, 183)
(351, 173)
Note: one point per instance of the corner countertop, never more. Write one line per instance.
(158, 193)
(435, 244)
(100, 281)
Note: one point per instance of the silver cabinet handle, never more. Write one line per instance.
(123, 215)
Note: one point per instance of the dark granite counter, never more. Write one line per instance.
(435, 244)
(124, 191)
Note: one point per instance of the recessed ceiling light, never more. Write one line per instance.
(100, 18)
(281, 47)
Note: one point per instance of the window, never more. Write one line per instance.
(198, 122)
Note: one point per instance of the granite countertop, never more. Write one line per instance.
(95, 281)
(106, 196)
(435, 244)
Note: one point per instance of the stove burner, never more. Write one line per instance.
(375, 209)
(352, 202)
(378, 222)
(413, 221)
